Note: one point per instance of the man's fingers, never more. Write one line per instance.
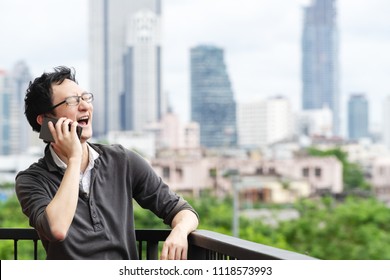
(173, 252)
(183, 254)
(164, 252)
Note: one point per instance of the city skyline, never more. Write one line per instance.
(262, 54)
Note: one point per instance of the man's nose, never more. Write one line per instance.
(84, 104)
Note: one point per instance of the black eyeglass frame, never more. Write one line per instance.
(89, 100)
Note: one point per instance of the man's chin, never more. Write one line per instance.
(85, 137)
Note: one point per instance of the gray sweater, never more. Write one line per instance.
(103, 225)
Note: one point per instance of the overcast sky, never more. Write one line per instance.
(261, 39)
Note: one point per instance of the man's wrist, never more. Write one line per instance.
(74, 160)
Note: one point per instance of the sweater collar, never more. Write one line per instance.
(54, 163)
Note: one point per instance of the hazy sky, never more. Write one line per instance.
(261, 39)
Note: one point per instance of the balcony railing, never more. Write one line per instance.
(203, 245)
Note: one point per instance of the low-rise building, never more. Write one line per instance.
(380, 178)
(274, 181)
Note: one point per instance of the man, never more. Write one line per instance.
(79, 195)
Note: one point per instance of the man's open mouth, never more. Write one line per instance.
(83, 121)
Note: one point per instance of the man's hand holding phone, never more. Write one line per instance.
(47, 135)
(64, 135)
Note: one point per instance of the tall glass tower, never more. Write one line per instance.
(357, 117)
(21, 133)
(320, 69)
(125, 63)
(15, 132)
(212, 103)
(5, 113)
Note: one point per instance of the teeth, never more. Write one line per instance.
(83, 118)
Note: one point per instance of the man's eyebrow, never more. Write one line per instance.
(77, 94)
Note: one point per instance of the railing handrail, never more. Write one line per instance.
(18, 234)
(203, 244)
(237, 248)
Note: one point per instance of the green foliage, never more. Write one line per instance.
(145, 219)
(355, 229)
(353, 175)
(11, 216)
(327, 229)
(6, 185)
(257, 231)
(215, 213)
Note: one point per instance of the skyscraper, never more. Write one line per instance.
(125, 63)
(385, 122)
(357, 117)
(22, 136)
(5, 116)
(320, 73)
(212, 103)
(15, 132)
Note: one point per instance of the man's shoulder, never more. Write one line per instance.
(114, 150)
(117, 151)
(108, 148)
(36, 168)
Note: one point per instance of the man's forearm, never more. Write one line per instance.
(61, 209)
(186, 220)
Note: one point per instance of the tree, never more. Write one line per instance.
(11, 216)
(355, 229)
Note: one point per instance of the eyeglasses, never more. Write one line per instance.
(75, 100)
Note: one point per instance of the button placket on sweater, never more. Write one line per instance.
(97, 225)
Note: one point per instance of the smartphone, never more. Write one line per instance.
(45, 133)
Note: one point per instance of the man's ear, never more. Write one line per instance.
(40, 119)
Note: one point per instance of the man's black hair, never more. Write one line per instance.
(38, 99)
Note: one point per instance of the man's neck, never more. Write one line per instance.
(84, 159)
